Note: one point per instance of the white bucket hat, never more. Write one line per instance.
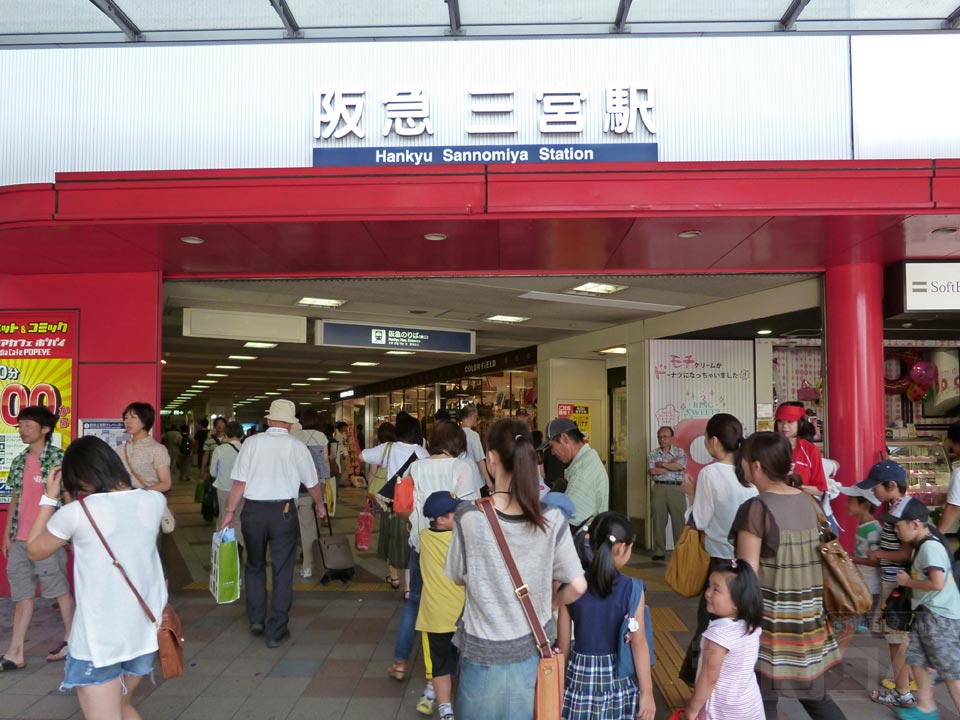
(282, 411)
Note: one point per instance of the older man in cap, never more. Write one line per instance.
(587, 484)
(267, 476)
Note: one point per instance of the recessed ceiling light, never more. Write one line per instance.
(434, 237)
(320, 302)
(192, 240)
(260, 397)
(597, 288)
(507, 319)
(198, 387)
(944, 231)
(300, 384)
(764, 332)
(326, 397)
(690, 234)
(241, 357)
(216, 375)
(317, 379)
(906, 325)
(163, 362)
(303, 403)
(207, 382)
(364, 363)
(228, 367)
(271, 393)
(339, 372)
(260, 345)
(619, 350)
(400, 352)
(284, 389)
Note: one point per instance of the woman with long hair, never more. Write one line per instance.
(113, 644)
(777, 532)
(713, 500)
(498, 655)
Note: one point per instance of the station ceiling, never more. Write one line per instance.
(105, 22)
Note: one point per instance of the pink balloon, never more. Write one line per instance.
(923, 372)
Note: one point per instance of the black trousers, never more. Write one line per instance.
(822, 708)
(274, 524)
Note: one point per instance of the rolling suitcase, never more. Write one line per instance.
(332, 556)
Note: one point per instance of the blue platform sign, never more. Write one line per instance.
(484, 155)
(394, 337)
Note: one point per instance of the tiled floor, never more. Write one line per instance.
(334, 666)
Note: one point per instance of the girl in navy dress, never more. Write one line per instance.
(593, 689)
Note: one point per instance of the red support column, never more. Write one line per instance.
(854, 359)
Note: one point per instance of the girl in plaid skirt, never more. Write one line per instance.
(593, 689)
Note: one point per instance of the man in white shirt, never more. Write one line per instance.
(474, 454)
(267, 476)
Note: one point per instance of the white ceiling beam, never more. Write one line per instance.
(119, 18)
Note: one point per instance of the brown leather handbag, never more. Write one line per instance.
(845, 592)
(549, 693)
(169, 639)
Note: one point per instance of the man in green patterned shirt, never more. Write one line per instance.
(27, 479)
(587, 484)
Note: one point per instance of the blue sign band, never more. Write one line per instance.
(484, 155)
(389, 337)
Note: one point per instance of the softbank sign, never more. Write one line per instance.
(932, 286)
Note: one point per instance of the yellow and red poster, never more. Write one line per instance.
(579, 413)
(37, 367)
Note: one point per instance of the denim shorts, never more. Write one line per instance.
(79, 673)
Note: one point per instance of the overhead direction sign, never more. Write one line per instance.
(395, 337)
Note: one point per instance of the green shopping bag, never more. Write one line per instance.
(200, 493)
(225, 567)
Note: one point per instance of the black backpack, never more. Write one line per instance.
(186, 445)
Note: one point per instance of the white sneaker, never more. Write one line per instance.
(306, 573)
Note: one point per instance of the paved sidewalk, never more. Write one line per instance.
(334, 666)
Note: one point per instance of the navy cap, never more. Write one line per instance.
(910, 510)
(439, 504)
(556, 428)
(882, 472)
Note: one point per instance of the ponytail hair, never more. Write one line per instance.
(772, 450)
(511, 440)
(727, 429)
(606, 530)
(745, 592)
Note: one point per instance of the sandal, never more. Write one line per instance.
(393, 582)
(58, 653)
(398, 671)
(892, 698)
(7, 665)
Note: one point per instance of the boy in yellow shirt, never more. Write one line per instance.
(441, 602)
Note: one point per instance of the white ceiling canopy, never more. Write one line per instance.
(80, 22)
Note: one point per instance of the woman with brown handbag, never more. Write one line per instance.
(781, 526)
(499, 656)
(113, 643)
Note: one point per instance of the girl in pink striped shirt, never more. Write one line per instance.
(726, 686)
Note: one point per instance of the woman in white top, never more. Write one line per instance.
(713, 500)
(112, 643)
(221, 465)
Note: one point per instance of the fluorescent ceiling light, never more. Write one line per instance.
(241, 357)
(400, 352)
(216, 375)
(192, 240)
(764, 332)
(619, 350)
(163, 362)
(321, 302)
(260, 345)
(364, 363)
(208, 382)
(339, 372)
(197, 387)
(507, 319)
(317, 379)
(260, 397)
(271, 393)
(303, 402)
(327, 397)
(300, 384)
(601, 302)
(228, 367)
(284, 389)
(597, 288)
(435, 237)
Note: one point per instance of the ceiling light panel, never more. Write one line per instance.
(339, 372)
(320, 302)
(260, 345)
(317, 379)
(364, 363)
(241, 357)
(228, 367)
(592, 288)
(621, 350)
(512, 319)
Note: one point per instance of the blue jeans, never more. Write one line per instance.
(497, 692)
(407, 632)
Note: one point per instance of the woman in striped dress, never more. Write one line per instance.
(777, 532)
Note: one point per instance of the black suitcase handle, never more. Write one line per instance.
(329, 521)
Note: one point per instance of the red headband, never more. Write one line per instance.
(790, 413)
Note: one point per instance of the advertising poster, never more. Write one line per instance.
(37, 367)
(110, 430)
(692, 380)
(580, 414)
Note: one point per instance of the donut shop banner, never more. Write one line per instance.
(692, 380)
